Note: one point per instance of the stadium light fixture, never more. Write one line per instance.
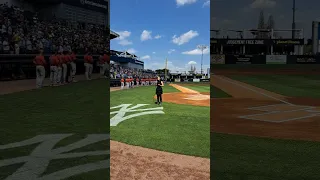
(202, 48)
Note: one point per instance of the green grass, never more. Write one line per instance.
(182, 129)
(236, 157)
(80, 108)
(199, 88)
(217, 93)
(288, 85)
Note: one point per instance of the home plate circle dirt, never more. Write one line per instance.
(256, 112)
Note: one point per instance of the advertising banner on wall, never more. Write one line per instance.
(306, 59)
(268, 42)
(243, 59)
(276, 59)
(217, 59)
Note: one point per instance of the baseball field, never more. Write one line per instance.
(265, 122)
(171, 141)
(54, 132)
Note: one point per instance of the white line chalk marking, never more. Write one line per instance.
(264, 94)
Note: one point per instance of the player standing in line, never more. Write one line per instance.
(54, 62)
(88, 61)
(64, 59)
(73, 66)
(40, 64)
(137, 82)
(122, 83)
(103, 62)
(59, 68)
(127, 82)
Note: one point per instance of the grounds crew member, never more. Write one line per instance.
(88, 64)
(54, 62)
(40, 64)
(73, 66)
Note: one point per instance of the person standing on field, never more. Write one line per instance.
(40, 64)
(103, 62)
(64, 59)
(54, 62)
(59, 68)
(122, 83)
(88, 64)
(73, 67)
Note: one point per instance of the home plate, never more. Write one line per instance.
(197, 97)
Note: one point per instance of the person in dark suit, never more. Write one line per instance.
(159, 90)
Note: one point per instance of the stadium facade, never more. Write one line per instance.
(74, 11)
(126, 60)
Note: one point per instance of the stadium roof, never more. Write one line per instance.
(113, 35)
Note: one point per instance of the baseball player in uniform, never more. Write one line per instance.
(54, 62)
(73, 66)
(88, 61)
(64, 60)
(122, 83)
(40, 63)
(59, 68)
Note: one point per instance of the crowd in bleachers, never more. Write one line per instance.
(24, 32)
(118, 71)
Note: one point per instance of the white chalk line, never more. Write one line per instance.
(258, 92)
(285, 120)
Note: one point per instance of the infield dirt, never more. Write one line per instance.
(256, 112)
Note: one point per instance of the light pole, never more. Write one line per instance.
(202, 48)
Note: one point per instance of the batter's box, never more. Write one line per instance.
(278, 117)
(281, 108)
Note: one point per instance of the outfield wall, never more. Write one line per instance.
(264, 59)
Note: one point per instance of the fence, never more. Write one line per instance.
(264, 59)
(14, 67)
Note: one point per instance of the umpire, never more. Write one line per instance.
(159, 91)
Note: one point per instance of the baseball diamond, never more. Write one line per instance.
(271, 119)
(170, 137)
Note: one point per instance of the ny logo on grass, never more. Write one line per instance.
(35, 164)
(125, 108)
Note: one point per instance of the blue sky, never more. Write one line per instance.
(158, 29)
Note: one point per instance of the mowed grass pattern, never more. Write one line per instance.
(251, 158)
(287, 85)
(217, 93)
(80, 108)
(183, 129)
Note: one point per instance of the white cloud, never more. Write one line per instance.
(184, 2)
(153, 52)
(207, 3)
(145, 35)
(191, 63)
(171, 51)
(123, 35)
(184, 38)
(145, 57)
(196, 52)
(157, 36)
(132, 51)
(263, 4)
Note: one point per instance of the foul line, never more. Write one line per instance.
(264, 94)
